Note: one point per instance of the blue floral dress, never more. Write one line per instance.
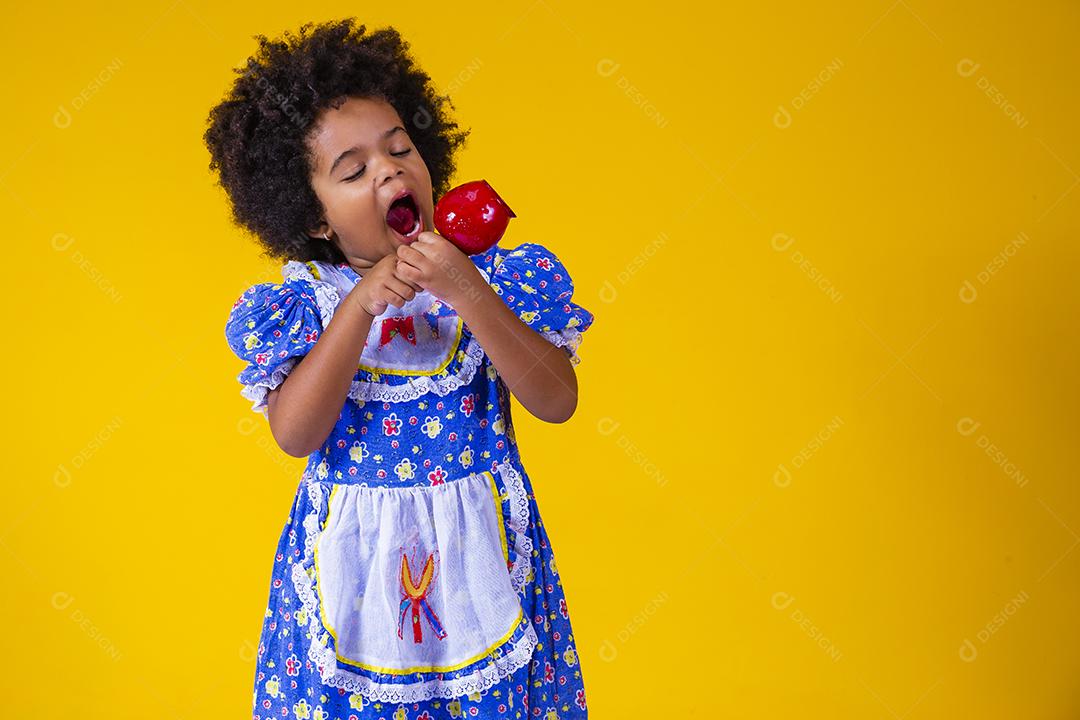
(414, 578)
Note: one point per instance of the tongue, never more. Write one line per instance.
(401, 217)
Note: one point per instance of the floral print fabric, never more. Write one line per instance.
(404, 427)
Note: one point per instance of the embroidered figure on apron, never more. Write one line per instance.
(415, 597)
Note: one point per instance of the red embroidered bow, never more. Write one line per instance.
(393, 326)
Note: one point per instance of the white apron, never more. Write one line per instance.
(414, 592)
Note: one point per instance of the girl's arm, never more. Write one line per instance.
(536, 371)
(304, 408)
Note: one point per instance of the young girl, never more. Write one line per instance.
(414, 578)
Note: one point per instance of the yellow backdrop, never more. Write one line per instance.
(821, 464)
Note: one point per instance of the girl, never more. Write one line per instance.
(414, 578)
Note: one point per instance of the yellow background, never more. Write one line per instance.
(821, 464)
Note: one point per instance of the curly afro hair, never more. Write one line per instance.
(258, 134)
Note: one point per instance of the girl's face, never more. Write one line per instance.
(363, 159)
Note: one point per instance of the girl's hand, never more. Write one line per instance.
(439, 266)
(382, 285)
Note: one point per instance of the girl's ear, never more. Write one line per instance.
(320, 232)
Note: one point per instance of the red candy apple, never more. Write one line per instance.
(472, 216)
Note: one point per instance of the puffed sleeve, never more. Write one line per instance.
(536, 285)
(271, 327)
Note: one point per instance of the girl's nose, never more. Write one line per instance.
(389, 168)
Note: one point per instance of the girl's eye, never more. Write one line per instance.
(360, 172)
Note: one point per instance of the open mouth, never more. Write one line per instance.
(403, 217)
